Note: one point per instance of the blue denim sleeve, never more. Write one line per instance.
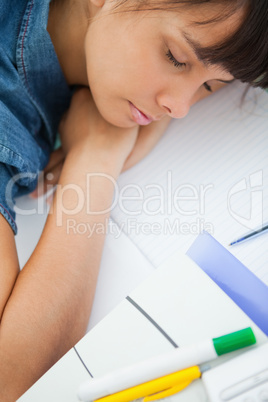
(21, 159)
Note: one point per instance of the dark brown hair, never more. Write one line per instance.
(245, 53)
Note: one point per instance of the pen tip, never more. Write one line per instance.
(233, 242)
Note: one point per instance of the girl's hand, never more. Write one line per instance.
(83, 126)
(50, 175)
(148, 137)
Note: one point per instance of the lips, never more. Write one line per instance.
(139, 117)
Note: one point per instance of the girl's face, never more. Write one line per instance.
(142, 65)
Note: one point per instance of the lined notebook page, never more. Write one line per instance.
(209, 171)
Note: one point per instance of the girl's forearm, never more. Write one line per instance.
(49, 307)
(147, 139)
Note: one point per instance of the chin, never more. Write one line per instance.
(119, 121)
(124, 125)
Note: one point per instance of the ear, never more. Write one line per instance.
(98, 3)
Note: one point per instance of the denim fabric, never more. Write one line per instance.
(33, 97)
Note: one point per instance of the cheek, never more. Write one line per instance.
(120, 74)
(122, 66)
(104, 67)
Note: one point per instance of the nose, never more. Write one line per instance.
(176, 106)
(176, 109)
(176, 102)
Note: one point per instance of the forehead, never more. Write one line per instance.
(221, 19)
(211, 25)
(203, 26)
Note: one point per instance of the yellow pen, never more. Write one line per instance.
(127, 378)
(156, 389)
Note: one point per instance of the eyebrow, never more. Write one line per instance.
(196, 48)
(228, 81)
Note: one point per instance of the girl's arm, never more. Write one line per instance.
(9, 265)
(148, 137)
(48, 309)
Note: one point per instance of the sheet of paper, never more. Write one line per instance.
(209, 171)
(123, 268)
(176, 306)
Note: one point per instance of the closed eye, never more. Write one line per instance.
(174, 61)
(208, 87)
(178, 64)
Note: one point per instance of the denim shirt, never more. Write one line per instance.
(33, 97)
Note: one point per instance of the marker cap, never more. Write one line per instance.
(235, 340)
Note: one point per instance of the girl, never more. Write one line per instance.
(144, 62)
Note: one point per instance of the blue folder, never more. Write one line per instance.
(237, 281)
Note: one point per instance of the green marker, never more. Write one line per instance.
(235, 340)
(158, 366)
